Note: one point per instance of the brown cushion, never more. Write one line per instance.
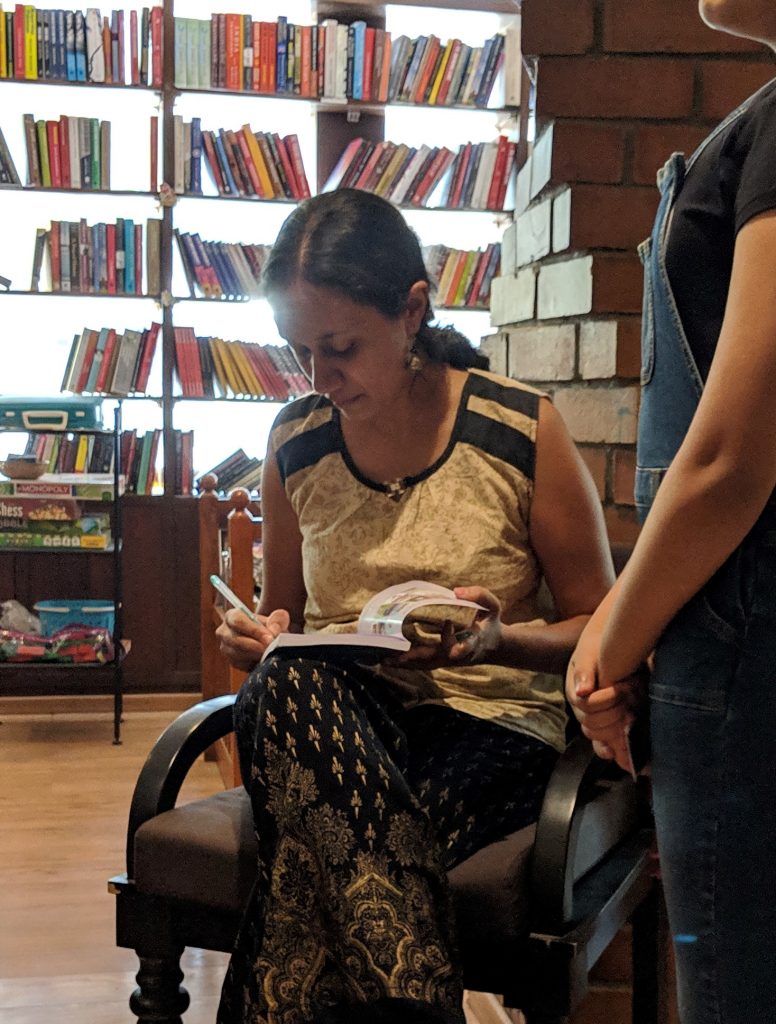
(205, 852)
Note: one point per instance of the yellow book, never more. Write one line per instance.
(383, 186)
(441, 72)
(232, 376)
(444, 277)
(82, 454)
(235, 352)
(30, 41)
(225, 379)
(218, 368)
(248, 371)
(3, 46)
(43, 152)
(258, 160)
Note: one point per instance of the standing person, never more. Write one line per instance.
(408, 461)
(700, 587)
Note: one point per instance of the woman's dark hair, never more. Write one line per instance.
(360, 245)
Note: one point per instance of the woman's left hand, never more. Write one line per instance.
(463, 648)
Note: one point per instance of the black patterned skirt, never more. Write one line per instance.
(360, 808)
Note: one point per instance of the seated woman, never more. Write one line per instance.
(407, 461)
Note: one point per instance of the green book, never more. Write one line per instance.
(45, 166)
(94, 148)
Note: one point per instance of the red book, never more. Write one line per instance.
(64, 151)
(269, 56)
(385, 74)
(180, 361)
(470, 298)
(369, 62)
(110, 256)
(304, 35)
(195, 366)
(499, 168)
(54, 257)
(460, 176)
(233, 52)
(447, 77)
(427, 67)
(212, 160)
(91, 345)
(293, 184)
(250, 166)
(364, 176)
(134, 66)
(55, 156)
(138, 259)
(120, 77)
(509, 167)
(295, 153)
(107, 50)
(107, 358)
(156, 46)
(18, 42)
(147, 358)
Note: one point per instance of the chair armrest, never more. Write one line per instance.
(170, 759)
(579, 778)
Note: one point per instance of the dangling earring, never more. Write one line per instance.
(412, 360)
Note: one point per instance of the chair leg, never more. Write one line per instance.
(646, 960)
(160, 998)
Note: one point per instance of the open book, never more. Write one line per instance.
(389, 623)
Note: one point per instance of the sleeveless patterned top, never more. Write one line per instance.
(462, 522)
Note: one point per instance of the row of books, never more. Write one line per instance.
(240, 162)
(221, 269)
(73, 46)
(139, 458)
(339, 61)
(73, 152)
(236, 470)
(98, 259)
(110, 362)
(460, 277)
(72, 453)
(477, 177)
(209, 367)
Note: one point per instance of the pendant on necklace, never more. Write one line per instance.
(396, 489)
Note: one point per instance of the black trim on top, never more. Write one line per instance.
(515, 398)
(499, 440)
(306, 449)
(301, 407)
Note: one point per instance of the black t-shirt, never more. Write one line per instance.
(732, 180)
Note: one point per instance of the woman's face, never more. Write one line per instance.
(352, 353)
(752, 19)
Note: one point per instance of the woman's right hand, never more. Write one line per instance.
(243, 640)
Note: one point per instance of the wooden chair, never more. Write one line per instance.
(534, 910)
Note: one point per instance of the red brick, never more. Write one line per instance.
(595, 459)
(613, 87)
(623, 476)
(611, 216)
(618, 283)
(587, 151)
(726, 83)
(653, 144)
(664, 26)
(622, 527)
(556, 26)
(629, 347)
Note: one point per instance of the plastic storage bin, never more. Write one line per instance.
(56, 614)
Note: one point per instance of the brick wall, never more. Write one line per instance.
(620, 84)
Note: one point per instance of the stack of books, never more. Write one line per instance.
(73, 152)
(478, 177)
(52, 518)
(237, 470)
(138, 459)
(111, 362)
(341, 61)
(71, 453)
(221, 269)
(73, 46)
(98, 259)
(209, 367)
(462, 278)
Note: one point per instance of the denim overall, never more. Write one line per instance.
(712, 703)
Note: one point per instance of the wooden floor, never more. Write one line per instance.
(64, 795)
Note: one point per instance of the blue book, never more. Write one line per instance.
(224, 272)
(70, 46)
(79, 26)
(282, 54)
(129, 256)
(94, 369)
(225, 168)
(359, 38)
(196, 155)
(483, 63)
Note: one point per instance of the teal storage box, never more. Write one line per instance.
(56, 614)
(62, 412)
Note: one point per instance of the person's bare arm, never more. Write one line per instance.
(281, 608)
(722, 475)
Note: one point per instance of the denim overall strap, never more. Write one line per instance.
(671, 384)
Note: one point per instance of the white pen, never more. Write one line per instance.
(232, 598)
